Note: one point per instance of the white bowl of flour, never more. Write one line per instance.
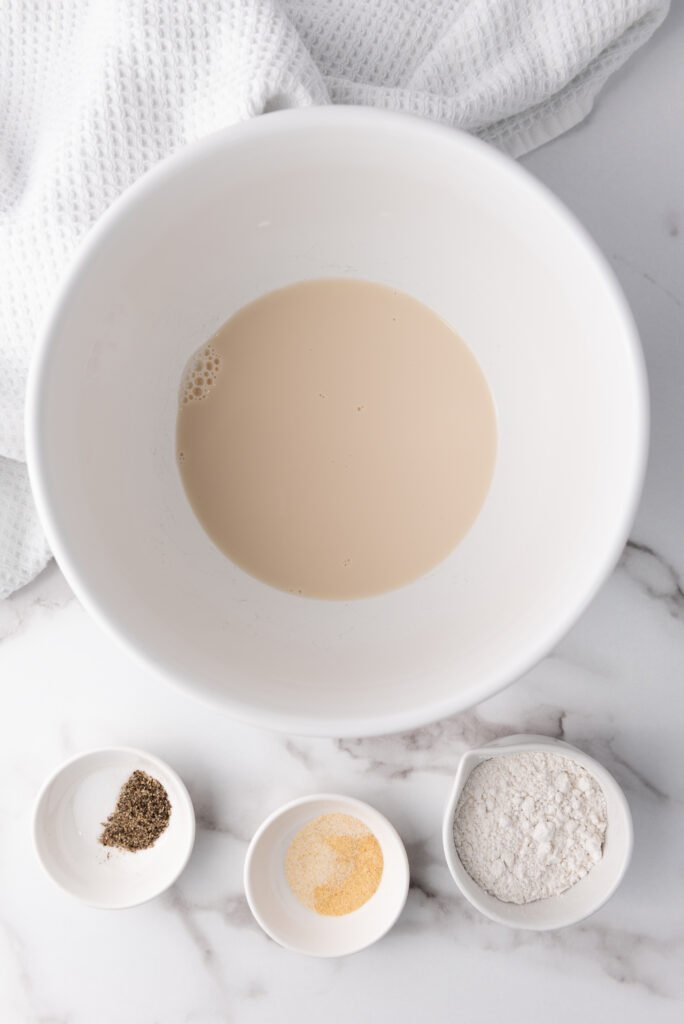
(536, 834)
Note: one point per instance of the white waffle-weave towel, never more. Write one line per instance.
(94, 92)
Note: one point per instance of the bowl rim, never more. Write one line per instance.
(189, 823)
(415, 128)
(353, 803)
(525, 743)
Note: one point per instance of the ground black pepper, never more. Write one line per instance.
(141, 814)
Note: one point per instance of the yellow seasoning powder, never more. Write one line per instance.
(334, 864)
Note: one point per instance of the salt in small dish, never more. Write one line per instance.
(68, 818)
(587, 895)
(278, 911)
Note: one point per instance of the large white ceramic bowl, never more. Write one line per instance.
(318, 193)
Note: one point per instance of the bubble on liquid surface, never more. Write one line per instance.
(200, 375)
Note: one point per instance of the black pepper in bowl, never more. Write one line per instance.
(141, 814)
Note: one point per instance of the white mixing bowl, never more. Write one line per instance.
(319, 193)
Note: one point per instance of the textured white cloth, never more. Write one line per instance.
(94, 92)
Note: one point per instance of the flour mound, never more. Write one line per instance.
(529, 826)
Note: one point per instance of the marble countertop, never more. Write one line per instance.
(614, 686)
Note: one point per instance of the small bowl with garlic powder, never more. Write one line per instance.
(536, 834)
(326, 875)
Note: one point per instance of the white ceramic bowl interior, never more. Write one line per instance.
(592, 891)
(293, 925)
(318, 193)
(68, 819)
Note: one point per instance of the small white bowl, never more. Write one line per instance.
(279, 912)
(587, 895)
(70, 810)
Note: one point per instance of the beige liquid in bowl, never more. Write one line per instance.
(336, 438)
